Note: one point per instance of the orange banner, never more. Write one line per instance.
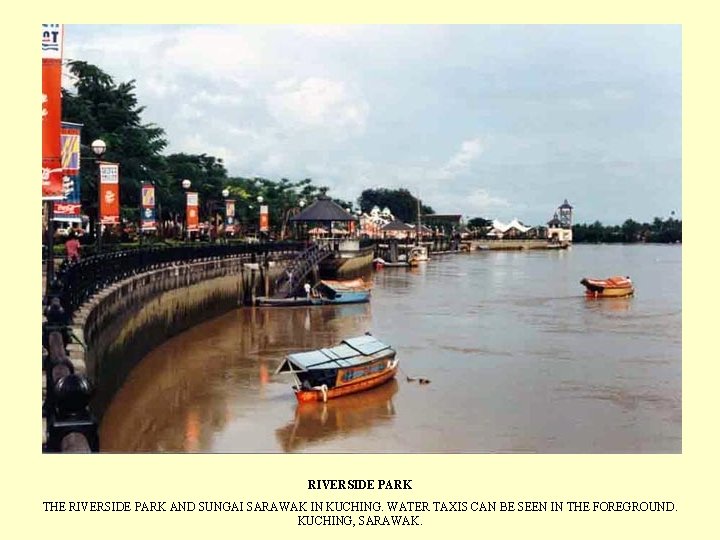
(52, 169)
(109, 193)
(191, 211)
(264, 219)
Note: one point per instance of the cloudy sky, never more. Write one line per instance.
(494, 121)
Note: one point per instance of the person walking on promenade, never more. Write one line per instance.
(307, 290)
(72, 248)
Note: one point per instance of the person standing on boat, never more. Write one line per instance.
(307, 290)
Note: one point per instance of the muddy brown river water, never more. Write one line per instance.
(518, 359)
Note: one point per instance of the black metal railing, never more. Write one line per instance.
(76, 283)
(70, 425)
(290, 282)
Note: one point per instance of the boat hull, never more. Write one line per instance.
(614, 287)
(610, 293)
(344, 298)
(316, 394)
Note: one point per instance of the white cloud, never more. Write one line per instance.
(296, 101)
(317, 103)
(462, 160)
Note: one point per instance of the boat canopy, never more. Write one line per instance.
(351, 352)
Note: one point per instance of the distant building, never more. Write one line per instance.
(442, 223)
(514, 229)
(372, 223)
(560, 226)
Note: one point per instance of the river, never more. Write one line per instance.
(519, 361)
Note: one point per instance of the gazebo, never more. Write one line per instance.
(324, 212)
(396, 229)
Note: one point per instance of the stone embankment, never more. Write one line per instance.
(124, 322)
(92, 352)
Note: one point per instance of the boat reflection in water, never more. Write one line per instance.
(349, 415)
(212, 379)
(616, 305)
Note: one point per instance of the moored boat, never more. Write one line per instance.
(354, 365)
(612, 287)
(417, 255)
(341, 292)
(327, 291)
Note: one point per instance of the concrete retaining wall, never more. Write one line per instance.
(124, 322)
(509, 244)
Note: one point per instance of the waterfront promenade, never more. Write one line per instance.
(103, 314)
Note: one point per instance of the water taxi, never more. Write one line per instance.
(354, 365)
(353, 291)
(612, 287)
(417, 255)
(341, 292)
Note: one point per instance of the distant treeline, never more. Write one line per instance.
(664, 231)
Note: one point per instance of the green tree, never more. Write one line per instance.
(401, 203)
(110, 111)
(630, 230)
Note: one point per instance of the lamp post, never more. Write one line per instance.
(225, 194)
(259, 200)
(98, 147)
(186, 185)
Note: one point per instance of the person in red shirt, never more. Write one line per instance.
(72, 248)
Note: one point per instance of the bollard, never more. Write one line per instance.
(71, 416)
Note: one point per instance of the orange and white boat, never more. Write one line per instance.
(354, 365)
(612, 287)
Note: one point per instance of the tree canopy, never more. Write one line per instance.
(110, 111)
(401, 203)
(665, 231)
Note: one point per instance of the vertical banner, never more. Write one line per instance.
(191, 211)
(69, 208)
(264, 219)
(229, 215)
(52, 173)
(109, 193)
(147, 219)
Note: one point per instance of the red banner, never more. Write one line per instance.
(229, 215)
(52, 170)
(52, 173)
(191, 211)
(147, 219)
(109, 193)
(68, 211)
(264, 219)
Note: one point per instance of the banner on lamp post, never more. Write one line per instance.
(264, 219)
(109, 193)
(147, 219)
(191, 211)
(69, 208)
(52, 170)
(229, 215)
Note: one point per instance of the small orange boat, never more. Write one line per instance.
(612, 287)
(356, 364)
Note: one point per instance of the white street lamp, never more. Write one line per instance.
(226, 193)
(260, 199)
(98, 147)
(186, 185)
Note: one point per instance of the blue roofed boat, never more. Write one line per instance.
(341, 292)
(327, 291)
(354, 365)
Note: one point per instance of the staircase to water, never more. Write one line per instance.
(291, 282)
